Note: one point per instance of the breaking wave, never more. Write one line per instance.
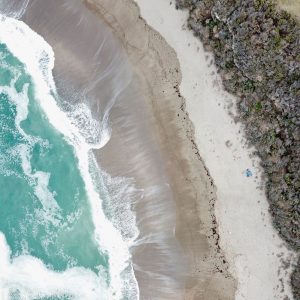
(24, 275)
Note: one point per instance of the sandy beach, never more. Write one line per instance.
(175, 156)
(222, 214)
(157, 71)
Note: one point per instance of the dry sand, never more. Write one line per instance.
(258, 259)
(292, 6)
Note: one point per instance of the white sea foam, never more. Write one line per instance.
(122, 195)
(39, 180)
(38, 57)
(20, 100)
(13, 8)
(31, 279)
(93, 131)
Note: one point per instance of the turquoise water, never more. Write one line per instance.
(65, 224)
(44, 207)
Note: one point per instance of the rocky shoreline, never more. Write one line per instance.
(256, 50)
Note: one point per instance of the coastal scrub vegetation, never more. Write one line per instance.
(256, 46)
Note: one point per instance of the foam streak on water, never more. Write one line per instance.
(28, 274)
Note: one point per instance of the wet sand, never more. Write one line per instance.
(157, 74)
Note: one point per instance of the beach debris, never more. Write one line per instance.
(248, 173)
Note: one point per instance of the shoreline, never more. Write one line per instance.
(159, 76)
(259, 271)
(189, 171)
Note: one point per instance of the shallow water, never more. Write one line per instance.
(39, 215)
(51, 210)
(67, 221)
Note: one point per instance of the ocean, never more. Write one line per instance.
(56, 241)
